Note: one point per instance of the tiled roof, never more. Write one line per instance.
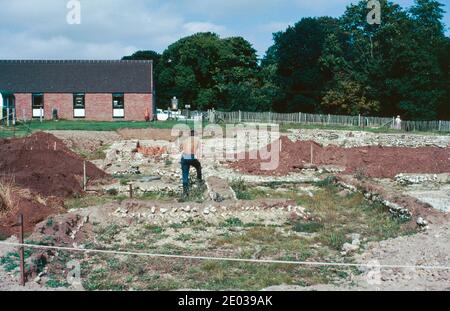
(73, 76)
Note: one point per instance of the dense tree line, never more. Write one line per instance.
(322, 65)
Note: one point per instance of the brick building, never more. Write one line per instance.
(86, 90)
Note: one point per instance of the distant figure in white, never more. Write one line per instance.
(398, 123)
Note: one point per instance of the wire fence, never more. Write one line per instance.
(326, 120)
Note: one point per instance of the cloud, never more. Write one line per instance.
(110, 29)
(194, 27)
(273, 27)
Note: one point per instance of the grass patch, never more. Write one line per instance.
(52, 283)
(108, 233)
(232, 222)
(98, 154)
(11, 261)
(158, 196)
(240, 187)
(154, 229)
(309, 227)
(22, 129)
(91, 200)
(184, 237)
(196, 192)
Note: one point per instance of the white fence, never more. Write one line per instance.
(325, 119)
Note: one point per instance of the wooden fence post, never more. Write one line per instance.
(131, 190)
(84, 176)
(7, 116)
(21, 252)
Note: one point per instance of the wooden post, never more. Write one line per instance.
(21, 252)
(131, 190)
(440, 125)
(7, 116)
(312, 154)
(84, 176)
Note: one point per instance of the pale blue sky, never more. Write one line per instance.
(37, 29)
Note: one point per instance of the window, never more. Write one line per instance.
(38, 105)
(118, 106)
(78, 106)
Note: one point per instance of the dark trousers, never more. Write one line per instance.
(186, 166)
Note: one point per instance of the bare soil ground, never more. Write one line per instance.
(146, 134)
(430, 248)
(42, 172)
(372, 161)
(86, 141)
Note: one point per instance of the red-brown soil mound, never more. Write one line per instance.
(374, 161)
(43, 164)
(47, 170)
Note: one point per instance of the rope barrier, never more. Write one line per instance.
(260, 261)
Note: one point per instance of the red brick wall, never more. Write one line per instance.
(136, 105)
(61, 101)
(98, 106)
(23, 105)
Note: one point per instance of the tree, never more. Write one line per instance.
(349, 97)
(298, 73)
(206, 71)
(393, 63)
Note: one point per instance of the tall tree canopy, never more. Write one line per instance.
(206, 71)
(298, 74)
(349, 66)
(321, 65)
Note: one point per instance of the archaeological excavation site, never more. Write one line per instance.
(340, 210)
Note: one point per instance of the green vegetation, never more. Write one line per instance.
(22, 129)
(196, 191)
(332, 218)
(91, 200)
(98, 154)
(309, 227)
(335, 216)
(56, 284)
(240, 187)
(11, 261)
(233, 222)
(154, 229)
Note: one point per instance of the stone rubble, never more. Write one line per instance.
(408, 179)
(211, 213)
(349, 139)
(395, 209)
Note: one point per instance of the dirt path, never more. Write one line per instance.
(430, 248)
